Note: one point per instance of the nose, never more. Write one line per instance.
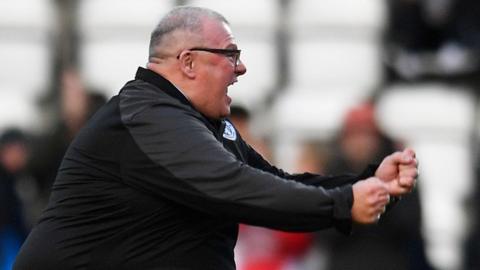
(241, 68)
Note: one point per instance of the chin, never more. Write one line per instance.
(225, 112)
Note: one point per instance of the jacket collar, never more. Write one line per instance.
(165, 85)
(159, 81)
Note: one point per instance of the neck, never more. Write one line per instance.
(176, 78)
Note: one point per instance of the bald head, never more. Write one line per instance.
(182, 26)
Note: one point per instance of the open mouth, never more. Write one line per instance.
(234, 81)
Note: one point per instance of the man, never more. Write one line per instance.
(158, 179)
(13, 159)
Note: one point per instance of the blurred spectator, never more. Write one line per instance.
(241, 118)
(472, 244)
(13, 159)
(395, 243)
(313, 157)
(77, 105)
(438, 40)
(433, 39)
(359, 142)
(260, 248)
(264, 249)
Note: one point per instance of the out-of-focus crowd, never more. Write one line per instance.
(425, 44)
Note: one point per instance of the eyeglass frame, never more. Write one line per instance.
(224, 52)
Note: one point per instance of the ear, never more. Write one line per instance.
(187, 64)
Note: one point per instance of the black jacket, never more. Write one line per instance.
(150, 183)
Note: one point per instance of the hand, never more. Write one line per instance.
(399, 171)
(370, 197)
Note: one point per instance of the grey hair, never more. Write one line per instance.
(185, 18)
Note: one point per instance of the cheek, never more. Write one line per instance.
(214, 99)
(217, 81)
(222, 104)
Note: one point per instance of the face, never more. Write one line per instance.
(14, 157)
(360, 146)
(215, 72)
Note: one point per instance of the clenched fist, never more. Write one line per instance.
(370, 196)
(399, 171)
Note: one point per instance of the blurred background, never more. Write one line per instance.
(331, 86)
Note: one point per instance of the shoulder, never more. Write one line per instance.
(141, 100)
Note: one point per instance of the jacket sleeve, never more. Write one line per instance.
(191, 167)
(325, 181)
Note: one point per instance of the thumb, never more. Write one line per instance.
(407, 156)
(395, 189)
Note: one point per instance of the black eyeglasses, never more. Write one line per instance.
(232, 54)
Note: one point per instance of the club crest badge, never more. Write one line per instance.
(229, 132)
